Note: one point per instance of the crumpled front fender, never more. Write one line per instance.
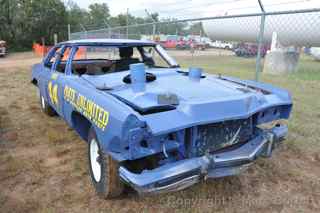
(184, 173)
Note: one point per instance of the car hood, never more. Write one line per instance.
(168, 82)
(194, 101)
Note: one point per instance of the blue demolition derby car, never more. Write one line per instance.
(152, 125)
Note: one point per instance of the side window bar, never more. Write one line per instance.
(68, 69)
(58, 56)
(50, 55)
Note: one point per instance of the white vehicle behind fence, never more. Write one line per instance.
(2, 48)
(221, 45)
(315, 52)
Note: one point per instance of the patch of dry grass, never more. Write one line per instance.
(43, 167)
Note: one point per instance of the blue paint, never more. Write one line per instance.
(195, 72)
(162, 129)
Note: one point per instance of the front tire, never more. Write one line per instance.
(103, 170)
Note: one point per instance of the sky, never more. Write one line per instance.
(198, 8)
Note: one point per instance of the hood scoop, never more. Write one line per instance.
(138, 75)
(149, 78)
(193, 73)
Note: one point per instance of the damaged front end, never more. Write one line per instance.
(210, 127)
(178, 160)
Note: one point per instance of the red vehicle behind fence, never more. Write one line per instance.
(250, 50)
(169, 44)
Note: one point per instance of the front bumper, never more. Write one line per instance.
(184, 173)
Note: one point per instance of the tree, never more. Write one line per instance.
(25, 21)
(195, 28)
(77, 16)
(171, 28)
(48, 17)
(99, 14)
(9, 19)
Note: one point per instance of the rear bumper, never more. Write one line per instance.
(182, 174)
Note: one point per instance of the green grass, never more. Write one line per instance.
(226, 65)
(304, 86)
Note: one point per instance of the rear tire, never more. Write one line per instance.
(103, 170)
(45, 107)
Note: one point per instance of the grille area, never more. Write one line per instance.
(214, 137)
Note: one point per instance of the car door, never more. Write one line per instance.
(66, 84)
(46, 74)
(56, 80)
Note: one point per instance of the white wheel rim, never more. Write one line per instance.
(43, 104)
(94, 158)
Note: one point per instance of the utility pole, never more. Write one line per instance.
(127, 23)
(260, 41)
(154, 26)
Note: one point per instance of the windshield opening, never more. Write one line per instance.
(97, 60)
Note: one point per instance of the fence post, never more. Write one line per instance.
(85, 31)
(43, 42)
(108, 27)
(154, 31)
(260, 41)
(69, 32)
(55, 39)
(109, 32)
(127, 32)
(154, 25)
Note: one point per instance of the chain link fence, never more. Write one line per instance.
(233, 43)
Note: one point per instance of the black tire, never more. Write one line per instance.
(45, 107)
(109, 185)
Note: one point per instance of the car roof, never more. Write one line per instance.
(115, 42)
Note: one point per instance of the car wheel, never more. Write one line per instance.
(45, 107)
(103, 170)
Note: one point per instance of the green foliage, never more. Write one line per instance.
(171, 28)
(76, 16)
(98, 14)
(26, 21)
(195, 29)
(23, 22)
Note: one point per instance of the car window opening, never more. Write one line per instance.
(99, 60)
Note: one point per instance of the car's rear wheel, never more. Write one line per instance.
(103, 170)
(45, 107)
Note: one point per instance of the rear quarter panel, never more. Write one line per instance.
(38, 78)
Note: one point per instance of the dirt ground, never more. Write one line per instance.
(43, 166)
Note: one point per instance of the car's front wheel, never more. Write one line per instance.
(103, 170)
